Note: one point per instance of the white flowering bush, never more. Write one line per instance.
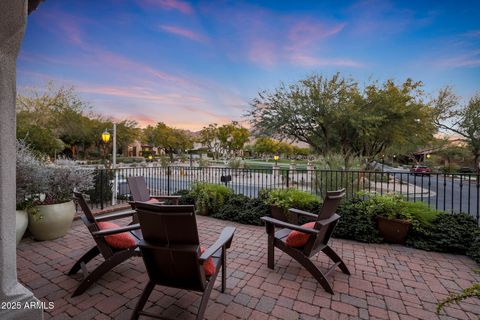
(30, 177)
(63, 178)
(41, 183)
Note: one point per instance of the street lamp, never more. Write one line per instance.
(105, 136)
(106, 139)
(429, 155)
(276, 159)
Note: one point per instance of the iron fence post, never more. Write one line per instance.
(101, 189)
(288, 178)
(168, 180)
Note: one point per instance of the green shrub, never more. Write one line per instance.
(242, 209)
(359, 216)
(186, 197)
(474, 251)
(453, 233)
(102, 181)
(292, 198)
(209, 197)
(357, 221)
(421, 212)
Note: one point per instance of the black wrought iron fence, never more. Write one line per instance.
(447, 192)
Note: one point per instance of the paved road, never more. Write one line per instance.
(447, 192)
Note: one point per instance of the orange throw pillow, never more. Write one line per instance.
(122, 240)
(208, 265)
(297, 238)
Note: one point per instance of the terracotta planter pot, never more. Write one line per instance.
(283, 215)
(21, 224)
(51, 221)
(393, 230)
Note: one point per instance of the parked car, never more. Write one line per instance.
(420, 170)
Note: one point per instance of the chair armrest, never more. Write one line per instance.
(114, 216)
(224, 240)
(303, 213)
(327, 221)
(108, 232)
(278, 223)
(166, 197)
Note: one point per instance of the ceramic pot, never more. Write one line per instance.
(283, 215)
(393, 230)
(51, 221)
(21, 224)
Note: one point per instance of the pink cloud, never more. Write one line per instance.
(305, 33)
(186, 33)
(470, 59)
(139, 93)
(263, 52)
(309, 61)
(168, 5)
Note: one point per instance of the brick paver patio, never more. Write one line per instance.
(387, 282)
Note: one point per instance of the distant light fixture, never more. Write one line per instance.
(105, 136)
(276, 157)
(429, 156)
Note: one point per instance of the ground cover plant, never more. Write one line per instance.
(430, 229)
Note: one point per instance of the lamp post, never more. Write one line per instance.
(276, 157)
(106, 139)
(383, 162)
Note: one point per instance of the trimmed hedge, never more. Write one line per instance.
(357, 222)
(454, 233)
(431, 230)
(242, 209)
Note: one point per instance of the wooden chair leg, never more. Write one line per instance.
(224, 268)
(311, 267)
(103, 268)
(335, 258)
(89, 255)
(271, 252)
(143, 300)
(316, 273)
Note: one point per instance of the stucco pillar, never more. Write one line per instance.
(12, 26)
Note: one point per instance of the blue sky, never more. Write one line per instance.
(189, 64)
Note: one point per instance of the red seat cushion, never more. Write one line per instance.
(122, 240)
(208, 265)
(152, 200)
(297, 238)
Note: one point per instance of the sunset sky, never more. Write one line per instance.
(189, 64)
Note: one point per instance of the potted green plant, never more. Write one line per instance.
(54, 210)
(393, 220)
(280, 200)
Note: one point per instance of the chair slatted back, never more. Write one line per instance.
(138, 189)
(326, 221)
(170, 246)
(91, 223)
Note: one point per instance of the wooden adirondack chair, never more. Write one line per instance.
(112, 256)
(172, 254)
(140, 193)
(320, 234)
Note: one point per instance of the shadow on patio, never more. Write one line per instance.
(387, 282)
